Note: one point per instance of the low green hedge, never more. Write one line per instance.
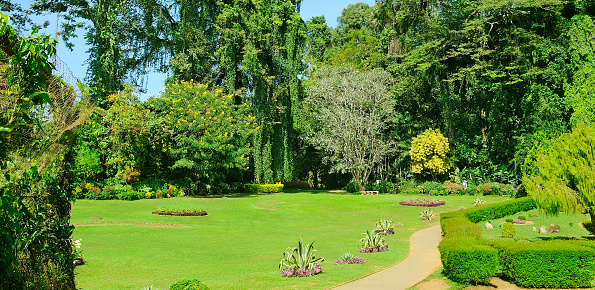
(499, 210)
(263, 188)
(548, 264)
(467, 260)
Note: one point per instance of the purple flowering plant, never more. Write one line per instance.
(422, 202)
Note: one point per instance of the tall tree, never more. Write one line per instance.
(261, 52)
(351, 110)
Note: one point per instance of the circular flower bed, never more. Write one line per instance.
(293, 272)
(422, 202)
(181, 213)
(354, 260)
(368, 250)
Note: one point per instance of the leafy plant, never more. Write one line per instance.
(372, 242)
(385, 227)
(349, 258)
(479, 202)
(300, 261)
(427, 214)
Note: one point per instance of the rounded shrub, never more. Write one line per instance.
(508, 230)
(188, 284)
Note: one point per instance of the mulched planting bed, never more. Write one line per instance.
(181, 213)
(422, 202)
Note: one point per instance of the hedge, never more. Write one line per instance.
(467, 260)
(547, 264)
(263, 188)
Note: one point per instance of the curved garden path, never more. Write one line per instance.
(423, 260)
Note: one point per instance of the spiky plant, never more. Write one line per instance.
(372, 242)
(300, 261)
(427, 214)
(385, 227)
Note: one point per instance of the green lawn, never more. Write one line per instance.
(240, 243)
(568, 223)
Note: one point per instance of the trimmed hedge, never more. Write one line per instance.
(548, 264)
(263, 188)
(467, 260)
(499, 210)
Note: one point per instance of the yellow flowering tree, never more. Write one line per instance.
(204, 135)
(428, 151)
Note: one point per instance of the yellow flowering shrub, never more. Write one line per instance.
(206, 135)
(428, 151)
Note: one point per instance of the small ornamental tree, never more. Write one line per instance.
(428, 151)
(565, 178)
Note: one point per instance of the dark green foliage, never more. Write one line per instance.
(263, 188)
(499, 210)
(187, 284)
(433, 188)
(466, 260)
(508, 230)
(548, 264)
(509, 220)
(589, 227)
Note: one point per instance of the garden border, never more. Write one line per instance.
(468, 258)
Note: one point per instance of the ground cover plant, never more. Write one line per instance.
(130, 248)
(426, 201)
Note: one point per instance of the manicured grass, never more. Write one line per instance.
(240, 243)
(568, 223)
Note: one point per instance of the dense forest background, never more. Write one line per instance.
(242, 103)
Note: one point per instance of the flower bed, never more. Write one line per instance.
(422, 202)
(354, 260)
(181, 213)
(293, 272)
(374, 250)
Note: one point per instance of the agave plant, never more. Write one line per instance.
(300, 261)
(349, 258)
(385, 227)
(427, 214)
(372, 242)
(479, 202)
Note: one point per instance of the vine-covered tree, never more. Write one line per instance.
(351, 110)
(261, 52)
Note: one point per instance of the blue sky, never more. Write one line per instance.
(75, 59)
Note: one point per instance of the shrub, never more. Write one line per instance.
(351, 187)
(263, 188)
(486, 188)
(453, 188)
(432, 188)
(128, 195)
(187, 284)
(467, 260)
(508, 230)
(509, 220)
(522, 217)
(531, 265)
(296, 184)
(428, 151)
